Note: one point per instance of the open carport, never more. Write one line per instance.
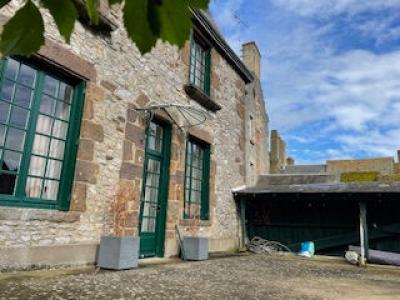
(295, 208)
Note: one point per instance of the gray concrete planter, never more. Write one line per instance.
(195, 248)
(118, 253)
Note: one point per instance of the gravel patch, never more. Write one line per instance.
(240, 277)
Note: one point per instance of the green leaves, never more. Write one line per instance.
(64, 14)
(23, 33)
(175, 19)
(145, 21)
(141, 23)
(170, 20)
(112, 2)
(91, 6)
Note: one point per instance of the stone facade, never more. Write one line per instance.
(108, 175)
(278, 153)
(256, 131)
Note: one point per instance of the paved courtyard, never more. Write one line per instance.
(238, 277)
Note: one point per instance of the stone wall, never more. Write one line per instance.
(383, 165)
(396, 168)
(108, 177)
(278, 153)
(256, 125)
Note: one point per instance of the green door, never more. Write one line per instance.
(155, 190)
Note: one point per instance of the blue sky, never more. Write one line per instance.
(330, 71)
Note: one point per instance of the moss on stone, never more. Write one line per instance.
(359, 176)
(390, 177)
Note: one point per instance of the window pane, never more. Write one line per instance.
(148, 225)
(12, 161)
(187, 182)
(194, 210)
(195, 197)
(62, 110)
(41, 145)
(50, 86)
(65, 92)
(33, 187)
(7, 90)
(50, 190)
(23, 96)
(37, 166)
(15, 139)
(19, 117)
(27, 75)
(153, 166)
(53, 169)
(12, 68)
(57, 149)
(152, 179)
(159, 132)
(4, 111)
(60, 129)
(47, 105)
(2, 135)
(151, 142)
(151, 195)
(7, 182)
(152, 128)
(44, 125)
(197, 174)
(149, 210)
(196, 184)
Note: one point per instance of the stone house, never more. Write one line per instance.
(79, 160)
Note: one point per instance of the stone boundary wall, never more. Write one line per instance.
(384, 165)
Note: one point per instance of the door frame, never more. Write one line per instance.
(161, 220)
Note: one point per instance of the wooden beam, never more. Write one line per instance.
(243, 223)
(363, 233)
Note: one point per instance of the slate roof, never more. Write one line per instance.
(307, 184)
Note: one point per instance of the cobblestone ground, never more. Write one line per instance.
(240, 277)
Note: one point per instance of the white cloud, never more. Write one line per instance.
(375, 142)
(350, 97)
(334, 7)
(227, 12)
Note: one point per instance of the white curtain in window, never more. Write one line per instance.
(47, 147)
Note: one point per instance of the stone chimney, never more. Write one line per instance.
(252, 58)
(290, 161)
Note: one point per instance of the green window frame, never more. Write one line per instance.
(40, 118)
(197, 177)
(200, 65)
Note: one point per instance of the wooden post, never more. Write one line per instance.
(363, 233)
(243, 223)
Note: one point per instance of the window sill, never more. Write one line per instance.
(34, 214)
(200, 97)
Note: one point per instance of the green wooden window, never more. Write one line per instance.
(39, 127)
(200, 66)
(197, 173)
